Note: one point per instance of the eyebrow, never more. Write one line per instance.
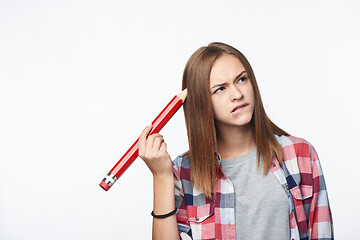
(222, 84)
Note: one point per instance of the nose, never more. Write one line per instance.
(235, 93)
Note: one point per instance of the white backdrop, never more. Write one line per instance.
(79, 80)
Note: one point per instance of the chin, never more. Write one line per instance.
(239, 121)
(244, 120)
(244, 123)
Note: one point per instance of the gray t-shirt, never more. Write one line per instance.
(261, 205)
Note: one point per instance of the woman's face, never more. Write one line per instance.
(231, 92)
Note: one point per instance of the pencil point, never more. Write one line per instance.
(183, 94)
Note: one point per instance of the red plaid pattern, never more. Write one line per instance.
(300, 175)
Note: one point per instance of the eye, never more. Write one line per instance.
(219, 90)
(242, 79)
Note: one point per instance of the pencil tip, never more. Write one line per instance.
(183, 94)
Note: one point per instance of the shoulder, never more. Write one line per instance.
(299, 156)
(181, 166)
(291, 140)
(296, 147)
(182, 160)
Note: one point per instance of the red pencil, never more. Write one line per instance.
(131, 154)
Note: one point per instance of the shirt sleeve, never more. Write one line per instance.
(181, 214)
(320, 224)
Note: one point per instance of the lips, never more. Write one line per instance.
(239, 106)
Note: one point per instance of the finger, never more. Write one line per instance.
(154, 135)
(163, 147)
(142, 138)
(151, 139)
(153, 143)
(157, 142)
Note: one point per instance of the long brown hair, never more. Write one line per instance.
(200, 124)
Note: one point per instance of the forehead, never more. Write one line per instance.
(226, 68)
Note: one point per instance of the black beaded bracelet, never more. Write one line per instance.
(164, 215)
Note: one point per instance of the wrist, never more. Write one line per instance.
(164, 188)
(163, 177)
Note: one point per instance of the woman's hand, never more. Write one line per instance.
(153, 150)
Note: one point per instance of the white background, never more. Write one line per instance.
(79, 80)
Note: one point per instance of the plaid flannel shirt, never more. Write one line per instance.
(300, 175)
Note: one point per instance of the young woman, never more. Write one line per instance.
(243, 177)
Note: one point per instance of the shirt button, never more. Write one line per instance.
(273, 164)
(197, 218)
(287, 187)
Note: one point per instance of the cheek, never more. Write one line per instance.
(217, 108)
(250, 94)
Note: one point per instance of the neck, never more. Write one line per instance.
(235, 141)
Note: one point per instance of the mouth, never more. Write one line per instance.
(239, 107)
